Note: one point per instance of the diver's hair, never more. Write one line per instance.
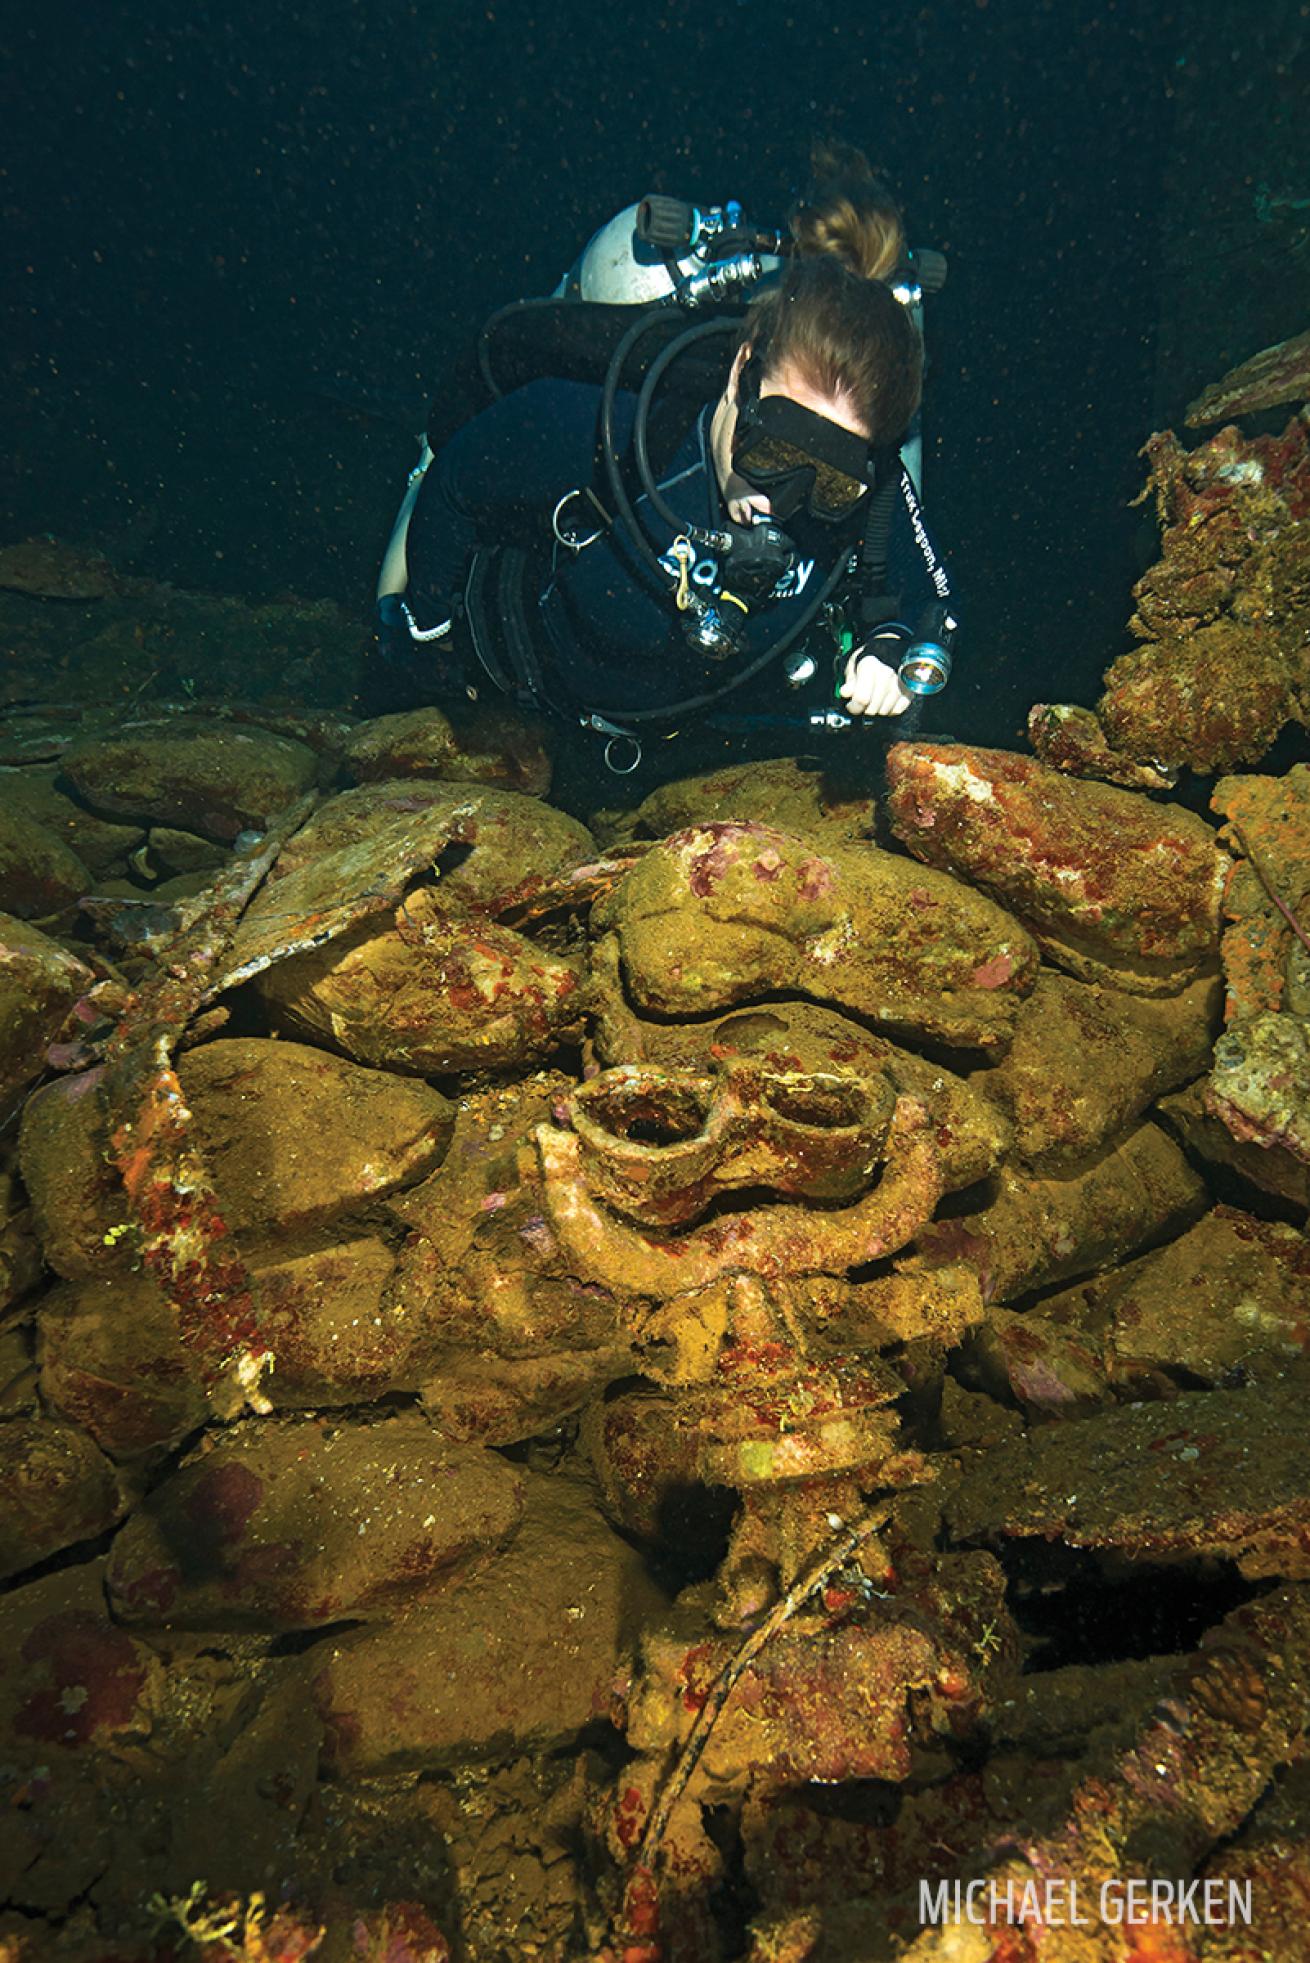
(849, 212)
(846, 337)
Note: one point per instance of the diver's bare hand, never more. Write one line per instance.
(871, 688)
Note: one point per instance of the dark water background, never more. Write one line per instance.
(233, 223)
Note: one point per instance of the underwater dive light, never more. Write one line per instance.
(925, 666)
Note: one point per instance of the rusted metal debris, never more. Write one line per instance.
(325, 893)
(1276, 375)
(170, 1196)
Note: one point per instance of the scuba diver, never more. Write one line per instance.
(724, 528)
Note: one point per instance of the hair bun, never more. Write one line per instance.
(832, 160)
(849, 213)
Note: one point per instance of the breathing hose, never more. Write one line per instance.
(609, 444)
(641, 423)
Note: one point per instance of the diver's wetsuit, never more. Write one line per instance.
(611, 636)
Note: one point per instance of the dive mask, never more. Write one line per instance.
(798, 458)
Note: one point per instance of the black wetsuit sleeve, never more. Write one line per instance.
(498, 480)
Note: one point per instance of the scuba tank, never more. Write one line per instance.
(659, 251)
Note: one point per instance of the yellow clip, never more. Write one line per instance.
(684, 552)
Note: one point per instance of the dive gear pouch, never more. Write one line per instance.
(499, 601)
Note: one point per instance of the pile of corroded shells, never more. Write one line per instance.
(639, 1389)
